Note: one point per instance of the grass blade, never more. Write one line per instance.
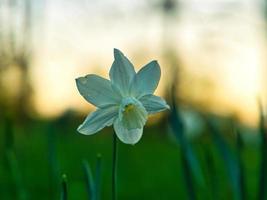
(240, 148)
(89, 180)
(98, 176)
(52, 159)
(12, 161)
(64, 187)
(228, 158)
(15, 172)
(212, 178)
(262, 194)
(188, 178)
(178, 130)
(189, 159)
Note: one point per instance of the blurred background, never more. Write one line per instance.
(212, 144)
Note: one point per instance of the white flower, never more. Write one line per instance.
(125, 100)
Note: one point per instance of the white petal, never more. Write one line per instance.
(153, 104)
(121, 72)
(97, 120)
(127, 136)
(146, 80)
(97, 90)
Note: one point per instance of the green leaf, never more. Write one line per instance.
(190, 162)
(229, 160)
(262, 193)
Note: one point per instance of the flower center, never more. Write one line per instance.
(128, 107)
(132, 113)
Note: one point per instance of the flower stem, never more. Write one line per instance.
(114, 167)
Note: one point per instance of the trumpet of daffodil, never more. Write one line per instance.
(125, 100)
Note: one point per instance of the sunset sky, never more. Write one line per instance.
(221, 41)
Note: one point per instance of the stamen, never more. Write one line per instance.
(128, 107)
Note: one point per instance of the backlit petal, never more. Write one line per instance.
(153, 104)
(121, 72)
(97, 120)
(97, 90)
(146, 80)
(125, 135)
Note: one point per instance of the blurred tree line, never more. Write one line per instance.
(15, 58)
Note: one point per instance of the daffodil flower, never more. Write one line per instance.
(125, 100)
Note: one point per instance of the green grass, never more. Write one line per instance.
(152, 169)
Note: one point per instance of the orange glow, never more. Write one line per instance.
(229, 58)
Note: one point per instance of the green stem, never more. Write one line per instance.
(64, 189)
(114, 167)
